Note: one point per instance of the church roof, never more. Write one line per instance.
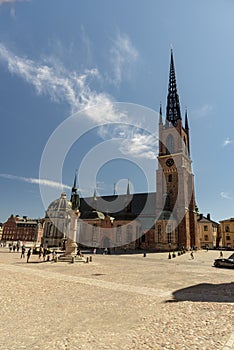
(141, 203)
(59, 205)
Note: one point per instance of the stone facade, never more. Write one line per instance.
(103, 231)
(208, 232)
(227, 233)
(22, 229)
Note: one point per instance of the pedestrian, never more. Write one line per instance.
(23, 252)
(221, 254)
(28, 254)
(40, 252)
(192, 256)
(94, 251)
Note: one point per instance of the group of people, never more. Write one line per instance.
(23, 251)
(14, 247)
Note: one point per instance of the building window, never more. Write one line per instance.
(227, 229)
(129, 233)
(228, 238)
(170, 178)
(143, 238)
(118, 234)
(206, 238)
(94, 233)
(159, 233)
(205, 228)
(168, 230)
(170, 144)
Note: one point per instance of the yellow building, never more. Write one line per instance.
(208, 232)
(227, 233)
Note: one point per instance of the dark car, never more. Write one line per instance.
(223, 262)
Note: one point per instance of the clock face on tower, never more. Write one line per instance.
(169, 162)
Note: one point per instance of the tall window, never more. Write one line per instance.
(205, 228)
(169, 233)
(227, 229)
(129, 233)
(170, 144)
(170, 178)
(159, 233)
(95, 233)
(118, 234)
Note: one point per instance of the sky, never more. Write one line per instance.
(81, 83)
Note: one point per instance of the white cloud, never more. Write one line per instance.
(54, 80)
(123, 54)
(140, 146)
(203, 112)
(227, 142)
(11, 1)
(41, 182)
(12, 13)
(226, 195)
(60, 84)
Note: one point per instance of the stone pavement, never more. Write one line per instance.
(116, 302)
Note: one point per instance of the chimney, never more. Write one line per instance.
(200, 216)
(208, 217)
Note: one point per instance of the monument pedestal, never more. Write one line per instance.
(71, 253)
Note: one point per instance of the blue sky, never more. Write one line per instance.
(60, 57)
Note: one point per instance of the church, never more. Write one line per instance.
(162, 220)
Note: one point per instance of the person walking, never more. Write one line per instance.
(28, 254)
(23, 252)
(192, 256)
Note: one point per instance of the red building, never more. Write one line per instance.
(22, 229)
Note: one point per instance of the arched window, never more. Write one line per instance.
(170, 144)
(169, 233)
(118, 234)
(129, 233)
(159, 233)
(94, 233)
(170, 178)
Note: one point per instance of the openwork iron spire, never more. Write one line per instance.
(75, 199)
(74, 188)
(173, 103)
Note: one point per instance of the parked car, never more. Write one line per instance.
(225, 262)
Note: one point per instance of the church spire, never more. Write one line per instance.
(75, 199)
(160, 114)
(173, 104)
(128, 188)
(74, 188)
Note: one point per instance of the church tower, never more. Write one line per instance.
(176, 224)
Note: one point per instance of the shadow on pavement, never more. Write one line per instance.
(207, 292)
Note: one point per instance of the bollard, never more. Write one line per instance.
(169, 256)
(73, 260)
(87, 260)
(90, 259)
(144, 255)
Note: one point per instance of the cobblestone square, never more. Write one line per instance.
(116, 302)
